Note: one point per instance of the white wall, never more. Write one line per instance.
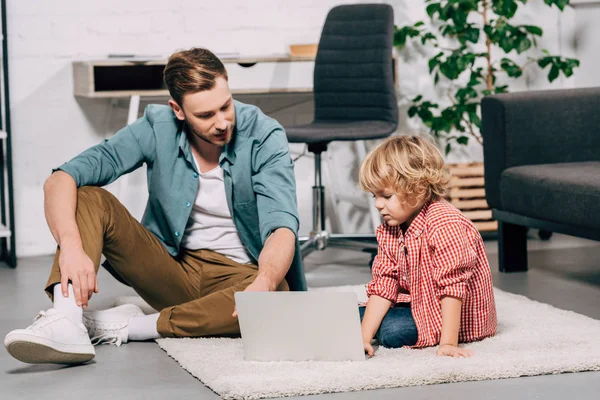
(584, 38)
(50, 125)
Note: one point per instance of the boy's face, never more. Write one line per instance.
(394, 211)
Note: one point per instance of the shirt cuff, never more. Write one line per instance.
(457, 290)
(388, 292)
(278, 220)
(69, 169)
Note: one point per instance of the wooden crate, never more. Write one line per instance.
(467, 193)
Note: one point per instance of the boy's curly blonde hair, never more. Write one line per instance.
(411, 166)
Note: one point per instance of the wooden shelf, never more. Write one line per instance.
(125, 77)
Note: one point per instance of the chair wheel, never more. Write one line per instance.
(544, 235)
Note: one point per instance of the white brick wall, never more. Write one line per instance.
(50, 125)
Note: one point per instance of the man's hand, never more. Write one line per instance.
(260, 284)
(77, 267)
(453, 351)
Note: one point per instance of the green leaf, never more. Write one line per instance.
(464, 140)
(474, 118)
(511, 68)
(471, 34)
(524, 45)
(400, 39)
(466, 93)
(567, 71)
(435, 61)
(448, 148)
(475, 78)
(417, 99)
(412, 111)
(561, 4)
(553, 74)
(544, 61)
(505, 8)
(429, 36)
(489, 30)
(534, 30)
(433, 9)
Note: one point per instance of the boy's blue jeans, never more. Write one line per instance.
(397, 328)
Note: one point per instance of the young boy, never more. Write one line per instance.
(431, 279)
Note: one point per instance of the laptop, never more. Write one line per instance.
(300, 326)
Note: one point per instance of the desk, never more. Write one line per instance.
(124, 77)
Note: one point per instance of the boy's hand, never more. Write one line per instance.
(453, 351)
(368, 348)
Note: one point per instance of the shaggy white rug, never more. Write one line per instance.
(533, 339)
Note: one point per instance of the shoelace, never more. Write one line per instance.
(109, 335)
(35, 326)
(40, 315)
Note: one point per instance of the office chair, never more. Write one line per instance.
(354, 100)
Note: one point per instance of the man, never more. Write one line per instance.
(221, 217)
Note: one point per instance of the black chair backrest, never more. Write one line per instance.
(353, 75)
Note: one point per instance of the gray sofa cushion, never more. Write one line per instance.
(567, 193)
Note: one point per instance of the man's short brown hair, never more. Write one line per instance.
(191, 71)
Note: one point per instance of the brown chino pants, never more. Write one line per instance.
(194, 291)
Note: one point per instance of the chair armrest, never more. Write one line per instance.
(538, 127)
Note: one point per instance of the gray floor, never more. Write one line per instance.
(564, 272)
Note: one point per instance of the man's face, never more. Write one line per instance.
(209, 114)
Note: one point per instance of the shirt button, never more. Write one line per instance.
(187, 204)
(177, 234)
(195, 174)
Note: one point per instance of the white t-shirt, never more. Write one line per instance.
(210, 225)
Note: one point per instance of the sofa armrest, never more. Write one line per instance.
(538, 127)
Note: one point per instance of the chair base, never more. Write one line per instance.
(323, 239)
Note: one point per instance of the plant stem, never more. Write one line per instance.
(488, 43)
(472, 131)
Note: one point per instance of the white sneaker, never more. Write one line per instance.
(52, 338)
(110, 326)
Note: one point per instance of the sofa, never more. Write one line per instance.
(541, 166)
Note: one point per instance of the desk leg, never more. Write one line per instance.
(134, 109)
(132, 116)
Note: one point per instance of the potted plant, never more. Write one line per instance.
(477, 50)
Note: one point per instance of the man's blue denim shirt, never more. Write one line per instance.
(257, 169)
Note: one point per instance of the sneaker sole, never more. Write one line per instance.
(35, 350)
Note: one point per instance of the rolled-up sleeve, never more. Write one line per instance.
(454, 259)
(102, 164)
(385, 273)
(275, 185)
